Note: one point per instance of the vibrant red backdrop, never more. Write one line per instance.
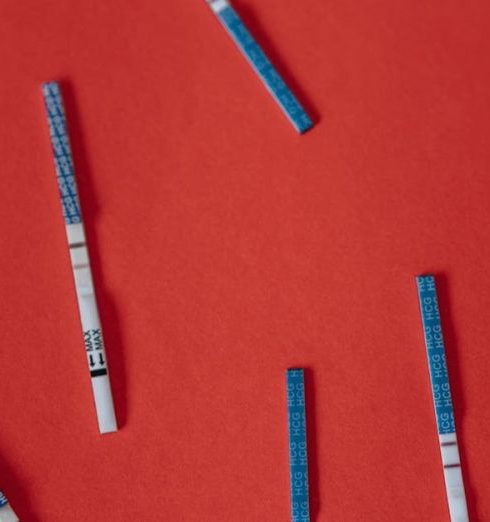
(226, 248)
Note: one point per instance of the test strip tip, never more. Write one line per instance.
(109, 429)
(423, 276)
(304, 128)
(107, 423)
(217, 5)
(104, 404)
(48, 86)
(7, 514)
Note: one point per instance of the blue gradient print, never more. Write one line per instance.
(436, 354)
(298, 452)
(266, 71)
(62, 153)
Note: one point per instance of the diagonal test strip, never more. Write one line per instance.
(298, 452)
(441, 394)
(89, 315)
(261, 64)
(6, 512)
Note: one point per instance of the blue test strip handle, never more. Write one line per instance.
(63, 159)
(262, 65)
(436, 354)
(441, 394)
(298, 451)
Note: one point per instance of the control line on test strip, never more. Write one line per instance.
(441, 393)
(261, 64)
(6, 512)
(87, 305)
(298, 451)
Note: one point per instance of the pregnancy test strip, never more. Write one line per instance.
(89, 315)
(298, 451)
(261, 64)
(441, 394)
(6, 512)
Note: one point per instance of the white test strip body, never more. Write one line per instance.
(453, 477)
(89, 315)
(7, 514)
(441, 392)
(92, 330)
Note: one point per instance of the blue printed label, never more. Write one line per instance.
(264, 68)
(436, 354)
(3, 500)
(62, 153)
(298, 454)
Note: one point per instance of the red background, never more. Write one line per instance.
(226, 248)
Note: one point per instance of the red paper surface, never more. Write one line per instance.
(226, 248)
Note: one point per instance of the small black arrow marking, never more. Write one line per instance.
(101, 359)
(92, 364)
